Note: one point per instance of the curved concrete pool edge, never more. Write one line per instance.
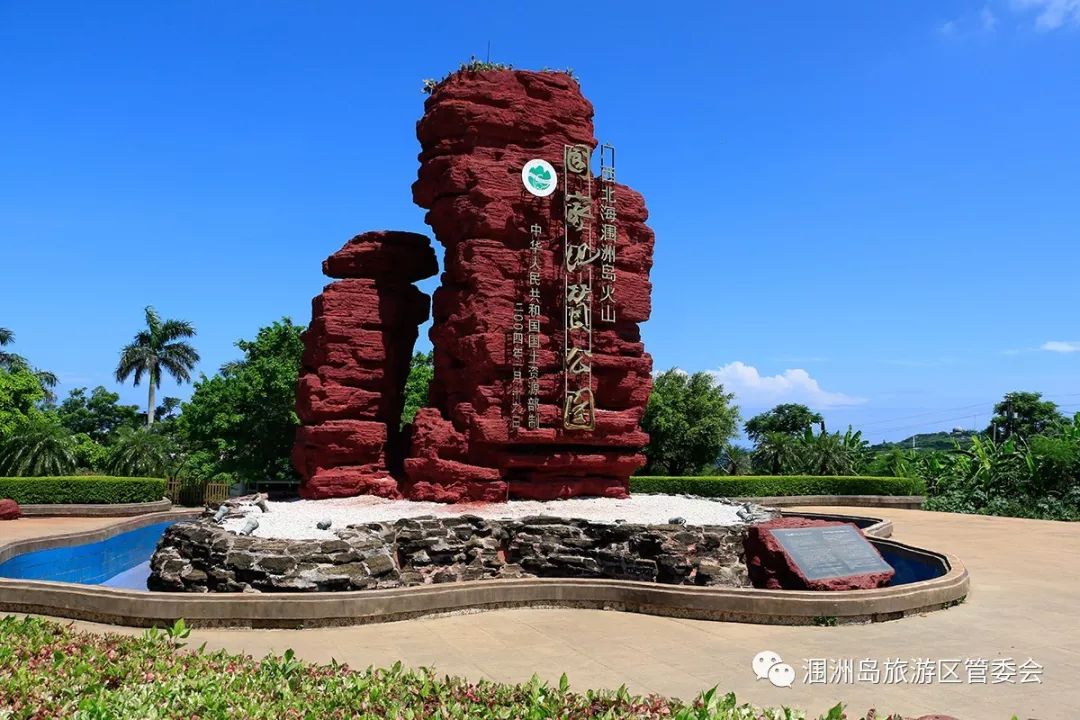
(280, 610)
(96, 510)
(82, 537)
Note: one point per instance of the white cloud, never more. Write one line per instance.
(1061, 346)
(1052, 14)
(793, 385)
(968, 24)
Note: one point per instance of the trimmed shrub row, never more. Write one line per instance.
(81, 489)
(778, 485)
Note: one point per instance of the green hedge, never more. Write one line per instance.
(81, 489)
(778, 485)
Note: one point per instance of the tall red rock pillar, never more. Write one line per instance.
(474, 443)
(356, 359)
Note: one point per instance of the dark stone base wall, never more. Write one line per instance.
(199, 556)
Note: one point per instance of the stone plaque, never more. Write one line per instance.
(831, 552)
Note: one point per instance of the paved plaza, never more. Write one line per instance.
(1025, 603)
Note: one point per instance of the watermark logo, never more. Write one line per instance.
(768, 665)
(539, 178)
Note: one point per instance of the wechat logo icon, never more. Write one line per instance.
(767, 665)
(539, 178)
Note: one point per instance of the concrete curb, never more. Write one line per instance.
(95, 510)
(279, 610)
(903, 502)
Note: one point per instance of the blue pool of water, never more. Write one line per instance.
(909, 567)
(121, 561)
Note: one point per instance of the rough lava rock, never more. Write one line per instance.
(478, 130)
(9, 510)
(356, 357)
(771, 567)
(200, 556)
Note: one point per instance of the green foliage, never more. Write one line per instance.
(53, 670)
(20, 392)
(690, 419)
(926, 441)
(777, 453)
(38, 446)
(832, 453)
(781, 453)
(97, 415)
(777, 485)
(1022, 414)
(734, 460)
(476, 65)
(12, 362)
(241, 421)
(89, 455)
(157, 349)
(140, 452)
(81, 489)
(791, 419)
(421, 371)
(1037, 478)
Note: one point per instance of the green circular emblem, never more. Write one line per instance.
(539, 178)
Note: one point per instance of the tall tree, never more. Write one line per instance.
(792, 419)
(98, 415)
(13, 361)
(421, 371)
(689, 419)
(241, 421)
(6, 338)
(777, 453)
(20, 394)
(1022, 414)
(160, 347)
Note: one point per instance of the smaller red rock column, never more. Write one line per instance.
(356, 359)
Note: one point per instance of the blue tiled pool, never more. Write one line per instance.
(121, 561)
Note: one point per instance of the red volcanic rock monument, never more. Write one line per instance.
(540, 376)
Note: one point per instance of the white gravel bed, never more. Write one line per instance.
(297, 519)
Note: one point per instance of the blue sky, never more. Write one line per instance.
(869, 207)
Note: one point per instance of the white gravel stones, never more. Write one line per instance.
(298, 518)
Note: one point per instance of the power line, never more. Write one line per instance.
(930, 412)
(947, 420)
(943, 411)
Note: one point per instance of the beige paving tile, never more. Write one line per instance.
(1025, 602)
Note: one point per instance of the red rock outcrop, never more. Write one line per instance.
(356, 359)
(478, 131)
(9, 510)
(771, 567)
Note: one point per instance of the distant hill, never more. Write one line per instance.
(928, 441)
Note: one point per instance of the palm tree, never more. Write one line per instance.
(832, 453)
(6, 338)
(41, 447)
(13, 361)
(777, 453)
(159, 347)
(138, 453)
